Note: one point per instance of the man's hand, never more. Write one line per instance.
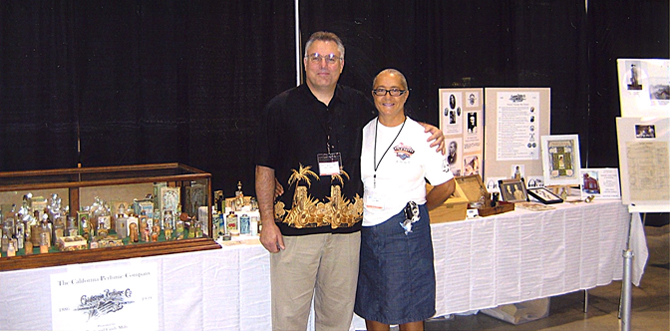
(436, 138)
(271, 237)
(279, 189)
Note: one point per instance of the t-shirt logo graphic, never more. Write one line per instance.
(403, 152)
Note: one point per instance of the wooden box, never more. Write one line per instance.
(473, 187)
(474, 190)
(454, 209)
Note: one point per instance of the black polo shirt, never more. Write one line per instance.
(295, 128)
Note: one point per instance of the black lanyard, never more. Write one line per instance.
(374, 161)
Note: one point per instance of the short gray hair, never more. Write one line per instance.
(325, 36)
(403, 80)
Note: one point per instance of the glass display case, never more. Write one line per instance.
(63, 216)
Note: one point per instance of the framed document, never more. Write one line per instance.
(560, 159)
(544, 195)
(644, 160)
(513, 190)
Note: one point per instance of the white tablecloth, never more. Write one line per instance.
(480, 263)
(524, 255)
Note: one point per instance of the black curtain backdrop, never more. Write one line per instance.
(439, 44)
(140, 82)
(183, 81)
(618, 29)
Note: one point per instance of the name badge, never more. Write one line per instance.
(374, 202)
(329, 163)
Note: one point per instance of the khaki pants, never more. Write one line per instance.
(323, 265)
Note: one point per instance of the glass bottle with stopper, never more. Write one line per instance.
(239, 197)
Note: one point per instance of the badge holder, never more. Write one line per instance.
(329, 163)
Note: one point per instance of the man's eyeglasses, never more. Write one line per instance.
(315, 58)
(395, 92)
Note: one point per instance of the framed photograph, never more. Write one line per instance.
(544, 195)
(513, 190)
(560, 159)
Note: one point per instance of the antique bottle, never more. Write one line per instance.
(198, 230)
(219, 201)
(103, 217)
(84, 217)
(54, 212)
(245, 224)
(28, 246)
(50, 224)
(8, 226)
(45, 241)
(72, 227)
(179, 229)
(11, 248)
(45, 231)
(167, 230)
(219, 225)
(232, 224)
(5, 241)
(59, 228)
(253, 226)
(35, 225)
(239, 197)
(20, 235)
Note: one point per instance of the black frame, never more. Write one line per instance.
(517, 184)
(541, 193)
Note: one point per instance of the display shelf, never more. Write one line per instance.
(79, 182)
(106, 254)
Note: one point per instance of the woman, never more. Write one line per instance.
(396, 281)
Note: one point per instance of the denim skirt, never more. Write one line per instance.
(396, 277)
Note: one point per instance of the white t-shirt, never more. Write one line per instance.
(402, 164)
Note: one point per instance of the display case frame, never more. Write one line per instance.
(74, 179)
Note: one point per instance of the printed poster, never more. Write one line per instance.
(644, 87)
(517, 121)
(106, 299)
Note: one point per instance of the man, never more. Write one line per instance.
(453, 148)
(309, 145)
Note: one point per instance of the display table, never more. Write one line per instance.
(524, 255)
(480, 263)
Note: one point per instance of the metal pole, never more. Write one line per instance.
(586, 301)
(626, 290)
(297, 43)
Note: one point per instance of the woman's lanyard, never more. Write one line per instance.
(374, 161)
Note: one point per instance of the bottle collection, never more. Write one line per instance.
(42, 225)
(235, 217)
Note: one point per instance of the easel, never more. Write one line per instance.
(632, 148)
(644, 125)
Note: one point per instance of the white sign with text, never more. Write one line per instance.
(106, 299)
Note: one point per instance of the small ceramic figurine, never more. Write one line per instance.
(134, 233)
(145, 232)
(156, 231)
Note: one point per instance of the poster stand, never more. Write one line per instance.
(515, 121)
(644, 142)
(644, 149)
